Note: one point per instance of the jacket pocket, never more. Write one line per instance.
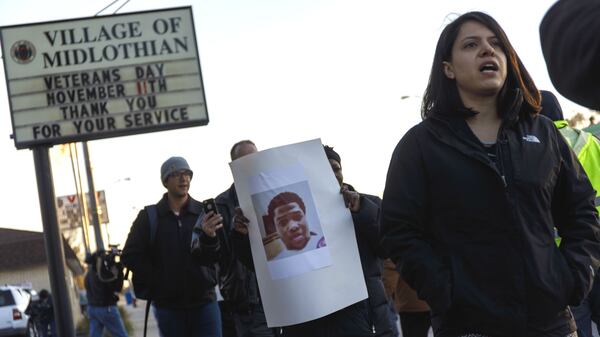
(551, 285)
(568, 282)
(482, 292)
(440, 294)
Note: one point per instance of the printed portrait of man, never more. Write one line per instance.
(287, 227)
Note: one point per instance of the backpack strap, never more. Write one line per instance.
(146, 317)
(152, 212)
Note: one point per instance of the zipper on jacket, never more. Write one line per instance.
(370, 315)
(501, 142)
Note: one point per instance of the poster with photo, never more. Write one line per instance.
(301, 234)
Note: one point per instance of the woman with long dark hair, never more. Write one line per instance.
(474, 192)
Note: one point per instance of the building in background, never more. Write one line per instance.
(23, 262)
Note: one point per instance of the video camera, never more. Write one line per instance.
(112, 257)
(108, 264)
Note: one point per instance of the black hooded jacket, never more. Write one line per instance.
(102, 293)
(476, 239)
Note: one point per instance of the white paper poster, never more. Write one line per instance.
(301, 234)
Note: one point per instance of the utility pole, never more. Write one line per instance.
(92, 195)
(54, 243)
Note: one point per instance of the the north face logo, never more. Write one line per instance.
(531, 139)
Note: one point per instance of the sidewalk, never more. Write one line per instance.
(136, 316)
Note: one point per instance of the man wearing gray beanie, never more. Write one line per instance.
(172, 165)
(180, 282)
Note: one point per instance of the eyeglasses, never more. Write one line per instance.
(179, 174)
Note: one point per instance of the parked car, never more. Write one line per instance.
(13, 302)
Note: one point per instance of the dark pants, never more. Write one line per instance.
(393, 319)
(227, 322)
(203, 321)
(253, 323)
(415, 324)
(46, 327)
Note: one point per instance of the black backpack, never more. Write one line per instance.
(141, 286)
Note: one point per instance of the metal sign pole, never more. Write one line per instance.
(80, 196)
(92, 195)
(54, 244)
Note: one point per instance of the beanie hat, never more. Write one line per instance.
(172, 165)
(550, 106)
(331, 154)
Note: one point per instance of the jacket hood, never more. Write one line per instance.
(550, 106)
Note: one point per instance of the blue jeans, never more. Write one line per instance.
(105, 317)
(203, 321)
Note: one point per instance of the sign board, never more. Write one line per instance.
(68, 210)
(101, 77)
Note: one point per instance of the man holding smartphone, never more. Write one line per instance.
(242, 310)
(181, 282)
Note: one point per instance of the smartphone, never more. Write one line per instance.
(210, 205)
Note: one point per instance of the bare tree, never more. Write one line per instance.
(593, 117)
(576, 119)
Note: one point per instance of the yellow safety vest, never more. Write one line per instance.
(587, 149)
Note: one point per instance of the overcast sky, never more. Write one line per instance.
(276, 72)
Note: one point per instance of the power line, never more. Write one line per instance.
(121, 7)
(102, 10)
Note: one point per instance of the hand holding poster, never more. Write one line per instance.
(301, 234)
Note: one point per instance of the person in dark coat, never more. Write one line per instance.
(41, 312)
(180, 271)
(103, 282)
(369, 317)
(589, 309)
(571, 48)
(473, 194)
(238, 285)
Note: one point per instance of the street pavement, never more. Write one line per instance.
(136, 316)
